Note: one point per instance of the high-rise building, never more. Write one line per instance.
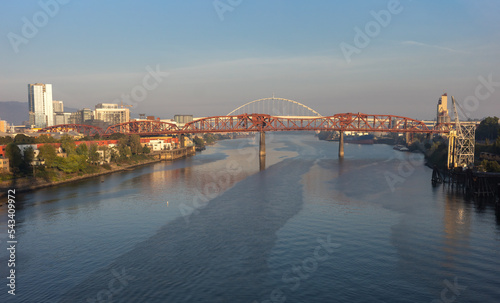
(111, 114)
(442, 110)
(41, 112)
(58, 106)
(3, 126)
(62, 118)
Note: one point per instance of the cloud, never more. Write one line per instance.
(434, 46)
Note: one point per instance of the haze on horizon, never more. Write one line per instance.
(221, 54)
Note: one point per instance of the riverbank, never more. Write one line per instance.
(29, 183)
(25, 184)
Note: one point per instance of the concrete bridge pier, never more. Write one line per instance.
(262, 145)
(262, 151)
(341, 145)
(181, 140)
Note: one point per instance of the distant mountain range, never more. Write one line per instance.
(16, 112)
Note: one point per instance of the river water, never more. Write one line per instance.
(214, 228)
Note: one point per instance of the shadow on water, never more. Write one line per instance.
(220, 252)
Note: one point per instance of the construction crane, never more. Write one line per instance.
(124, 105)
(461, 142)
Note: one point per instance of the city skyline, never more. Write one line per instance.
(381, 57)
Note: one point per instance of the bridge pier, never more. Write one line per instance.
(262, 144)
(341, 145)
(262, 151)
(182, 141)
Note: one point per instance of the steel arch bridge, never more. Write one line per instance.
(340, 122)
(87, 130)
(275, 107)
(357, 122)
(144, 128)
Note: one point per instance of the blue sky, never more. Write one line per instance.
(96, 51)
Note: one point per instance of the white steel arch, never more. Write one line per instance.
(279, 99)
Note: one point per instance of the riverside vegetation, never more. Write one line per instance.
(79, 161)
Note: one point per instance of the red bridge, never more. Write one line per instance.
(276, 114)
(262, 123)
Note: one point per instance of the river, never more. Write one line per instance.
(214, 228)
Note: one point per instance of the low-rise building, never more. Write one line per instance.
(4, 165)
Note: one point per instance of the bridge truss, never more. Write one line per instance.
(87, 130)
(275, 107)
(341, 122)
(356, 122)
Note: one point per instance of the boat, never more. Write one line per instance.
(400, 148)
(363, 139)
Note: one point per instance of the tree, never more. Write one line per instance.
(93, 154)
(45, 139)
(117, 136)
(13, 152)
(488, 129)
(82, 150)
(68, 144)
(491, 166)
(146, 149)
(28, 157)
(6, 140)
(199, 142)
(47, 153)
(23, 139)
(134, 141)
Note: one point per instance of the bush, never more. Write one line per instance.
(106, 166)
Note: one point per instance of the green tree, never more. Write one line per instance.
(134, 141)
(68, 144)
(117, 136)
(23, 139)
(82, 150)
(6, 140)
(47, 153)
(28, 157)
(45, 139)
(488, 129)
(491, 166)
(13, 152)
(199, 142)
(146, 149)
(93, 154)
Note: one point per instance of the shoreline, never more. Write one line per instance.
(24, 185)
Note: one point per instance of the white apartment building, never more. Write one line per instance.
(41, 113)
(110, 113)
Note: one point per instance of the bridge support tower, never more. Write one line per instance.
(341, 145)
(182, 141)
(262, 151)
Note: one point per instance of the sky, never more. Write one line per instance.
(207, 57)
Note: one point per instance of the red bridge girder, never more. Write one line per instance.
(87, 130)
(261, 122)
(339, 122)
(143, 128)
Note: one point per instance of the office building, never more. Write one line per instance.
(41, 113)
(111, 114)
(3, 126)
(58, 106)
(442, 110)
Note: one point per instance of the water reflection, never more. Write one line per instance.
(221, 252)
